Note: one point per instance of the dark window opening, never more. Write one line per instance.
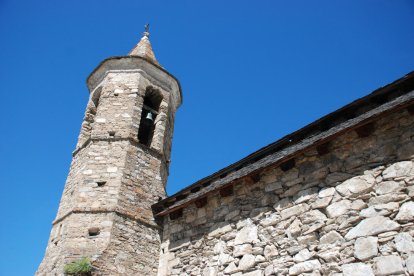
(94, 231)
(101, 183)
(152, 102)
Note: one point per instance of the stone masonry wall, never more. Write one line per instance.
(347, 212)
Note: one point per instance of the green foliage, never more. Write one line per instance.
(79, 267)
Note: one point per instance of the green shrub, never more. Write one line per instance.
(79, 267)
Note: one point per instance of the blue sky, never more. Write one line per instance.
(251, 72)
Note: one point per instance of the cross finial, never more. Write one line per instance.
(146, 30)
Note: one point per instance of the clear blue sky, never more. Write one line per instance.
(251, 72)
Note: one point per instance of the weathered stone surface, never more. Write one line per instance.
(406, 212)
(209, 271)
(231, 268)
(357, 269)
(273, 186)
(312, 216)
(305, 195)
(338, 208)
(247, 261)
(379, 210)
(302, 255)
(372, 226)
(247, 234)
(220, 229)
(386, 187)
(294, 211)
(404, 243)
(272, 219)
(270, 251)
(253, 273)
(305, 267)
(366, 248)
(399, 169)
(243, 249)
(331, 237)
(388, 265)
(321, 202)
(356, 185)
(327, 192)
(409, 264)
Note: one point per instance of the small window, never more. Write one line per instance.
(152, 102)
(93, 232)
(101, 183)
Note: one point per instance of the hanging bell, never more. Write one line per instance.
(149, 117)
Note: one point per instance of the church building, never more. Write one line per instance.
(332, 198)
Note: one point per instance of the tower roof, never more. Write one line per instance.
(143, 48)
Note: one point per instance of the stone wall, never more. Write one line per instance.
(348, 211)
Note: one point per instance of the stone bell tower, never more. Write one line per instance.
(119, 169)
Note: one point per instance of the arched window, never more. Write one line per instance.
(152, 101)
(89, 118)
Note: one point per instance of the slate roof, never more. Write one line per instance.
(360, 113)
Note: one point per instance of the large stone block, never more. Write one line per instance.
(312, 265)
(294, 211)
(357, 269)
(247, 234)
(356, 185)
(366, 248)
(406, 212)
(388, 265)
(399, 169)
(372, 226)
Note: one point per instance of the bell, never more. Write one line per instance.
(149, 117)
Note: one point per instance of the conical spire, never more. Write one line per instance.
(143, 48)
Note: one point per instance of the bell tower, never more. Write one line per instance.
(119, 169)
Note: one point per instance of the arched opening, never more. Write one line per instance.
(89, 118)
(150, 109)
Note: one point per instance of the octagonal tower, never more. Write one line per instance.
(119, 169)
